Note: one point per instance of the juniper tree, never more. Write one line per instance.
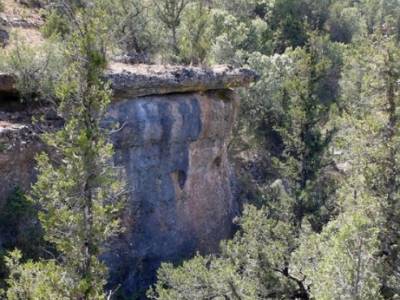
(357, 255)
(340, 262)
(77, 189)
(382, 169)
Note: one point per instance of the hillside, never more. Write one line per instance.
(200, 149)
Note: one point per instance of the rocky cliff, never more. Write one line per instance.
(175, 126)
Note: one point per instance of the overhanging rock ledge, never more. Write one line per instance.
(129, 81)
(172, 148)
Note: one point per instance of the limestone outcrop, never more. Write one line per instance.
(175, 127)
(130, 81)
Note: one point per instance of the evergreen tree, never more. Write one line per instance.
(77, 188)
(369, 139)
(383, 170)
(340, 262)
(370, 83)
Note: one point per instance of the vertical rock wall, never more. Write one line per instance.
(174, 152)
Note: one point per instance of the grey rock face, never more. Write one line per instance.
(172, 148)
(174, 152)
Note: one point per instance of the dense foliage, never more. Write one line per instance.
(320, 129)
(323, 119)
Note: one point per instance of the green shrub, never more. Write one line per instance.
(1, 6)
(36, 67)
(55, 24)
(38, 280)
(19, 228)
(195, 34)
(134, 33)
